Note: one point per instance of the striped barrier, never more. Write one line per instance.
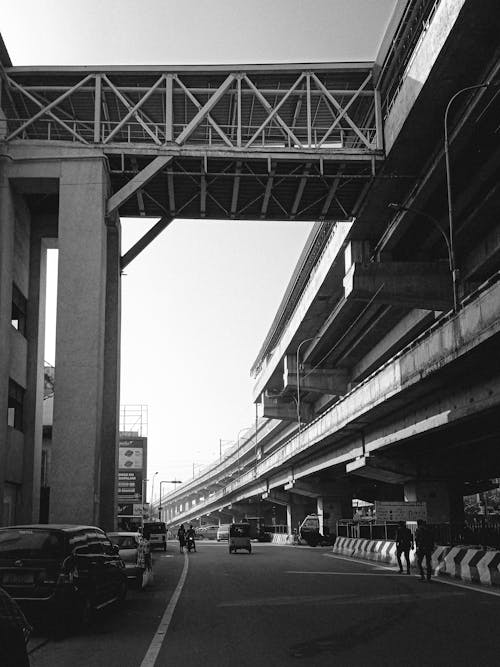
(474, 565)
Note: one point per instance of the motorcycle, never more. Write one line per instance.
(190, 543)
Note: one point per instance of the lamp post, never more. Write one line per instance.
(302, 342)
(485, 84)
(152, 492)
(447, 239)
(165, 481)
(238, 446)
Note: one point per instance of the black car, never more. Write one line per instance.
(61, 572)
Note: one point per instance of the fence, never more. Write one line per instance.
(474, 532)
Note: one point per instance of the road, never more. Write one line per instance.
(282, 606)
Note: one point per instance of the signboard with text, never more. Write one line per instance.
(130, 458)
(400, 511)
(130, 486)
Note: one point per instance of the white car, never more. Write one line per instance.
(223, 532)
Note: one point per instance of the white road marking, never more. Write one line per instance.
(342, 574)
(439, 580)
(335, 599)
(160, 634)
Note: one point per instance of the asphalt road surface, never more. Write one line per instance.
(283, 606)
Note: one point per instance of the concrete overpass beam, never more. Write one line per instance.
(381, 468)
(303, 488)
(444, 499)
(323, 381)
(280, 407)
(276, 497)
(412, 284)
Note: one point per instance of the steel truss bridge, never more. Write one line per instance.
(279, 142)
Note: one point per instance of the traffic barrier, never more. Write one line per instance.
(468, 564)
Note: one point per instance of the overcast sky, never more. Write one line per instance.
(199, 301)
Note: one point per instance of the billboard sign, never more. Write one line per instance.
(130, 458)
(400, 511)
(130, 486)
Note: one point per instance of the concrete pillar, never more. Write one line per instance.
(7, 223)
(334, 505)
(444, 499)
(294, 514)
(111, 398)
(81, 327)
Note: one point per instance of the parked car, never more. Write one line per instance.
(223, 532)
(127, 543)
(60, 572)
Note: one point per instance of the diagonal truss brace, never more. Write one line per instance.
(137, 182)
(47, 109)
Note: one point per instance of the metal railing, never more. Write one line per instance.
(478, 533)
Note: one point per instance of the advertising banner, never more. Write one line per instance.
(130, 458)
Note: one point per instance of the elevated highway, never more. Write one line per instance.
(373, 381)
(378, 377)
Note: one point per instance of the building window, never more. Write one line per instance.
(18, 318)
(16, 406)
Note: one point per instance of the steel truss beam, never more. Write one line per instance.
(292, 109)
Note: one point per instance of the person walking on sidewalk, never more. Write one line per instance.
(404, 544)
(424, 540)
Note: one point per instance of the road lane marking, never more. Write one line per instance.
(161, 632)
(440, 580)
(343, 574)
(338, 599)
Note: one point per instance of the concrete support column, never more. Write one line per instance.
(296, 510)
(333, 506)
(7, 224)
(444, 499)
(81, 327)
(111, 398)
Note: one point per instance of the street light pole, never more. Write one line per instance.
(485, 84)
(449, 245)
(152, 492)
(302, 342)
(238, 446)
(166, 481)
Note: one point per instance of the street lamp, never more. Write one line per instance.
(166, 481)
(238, 446)
(152, 490)
(302, 342)
(448, 240)
(485, 84)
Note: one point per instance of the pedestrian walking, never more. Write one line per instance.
(181, 536)
(14, 633)
(424, 540)
(404, 544)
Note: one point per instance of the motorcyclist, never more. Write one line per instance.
(190, 535)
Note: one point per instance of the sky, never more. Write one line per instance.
(199, 301)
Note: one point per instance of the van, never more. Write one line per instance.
(156, 533)
(223, 532)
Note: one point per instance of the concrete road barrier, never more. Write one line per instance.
(474, 565)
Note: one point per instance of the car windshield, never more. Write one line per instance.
(30, 543)
(124, 541)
